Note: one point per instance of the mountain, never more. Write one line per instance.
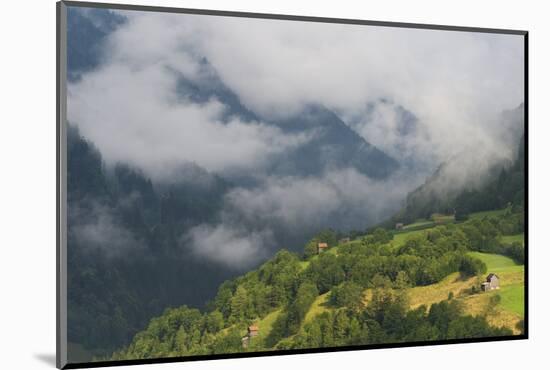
(475, 180)
(397, 132)
(333, 144)
(87, 30)
(126, 262)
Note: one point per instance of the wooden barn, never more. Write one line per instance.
(491, 282)
(253, 331)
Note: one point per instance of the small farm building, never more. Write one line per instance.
(491, 282)
(321, 247)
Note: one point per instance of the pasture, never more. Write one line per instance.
(508, 239)
(480, 215)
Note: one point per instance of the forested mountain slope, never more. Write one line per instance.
(450, 190)
(362, 291)
(125, 260)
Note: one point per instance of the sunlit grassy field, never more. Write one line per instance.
(480, 215)
(513, 238)
(430, 294)
(318, 306)
(507, 313)
(511, 308)
(479, 304)
(265, 325)
(497, 263)
(418, 223)
(513, 298)
(440, 218)
(400, 238)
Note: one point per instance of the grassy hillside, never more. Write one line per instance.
(513, 298)
(507, 312)
(430, 294)
(265, 326)
(520, 238)
(418, 223)
(401, 237)
(480, 215)
(497, 263)
(318, 306)
(510, 309)
(512, 286)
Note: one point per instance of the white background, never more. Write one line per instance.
(27, 196)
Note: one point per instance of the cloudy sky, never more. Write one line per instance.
(456, 84)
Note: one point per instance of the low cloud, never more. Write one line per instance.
(95, 226)
(136, 117)
(284, 212)
(340, 198)
(233, 247)
(454, 83)
(453, 86)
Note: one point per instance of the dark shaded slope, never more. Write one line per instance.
(87, 29)
(333, 146)
(502, 183)
(126, 262)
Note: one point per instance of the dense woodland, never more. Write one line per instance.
(290, 283)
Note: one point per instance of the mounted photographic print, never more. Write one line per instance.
(239, 184)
